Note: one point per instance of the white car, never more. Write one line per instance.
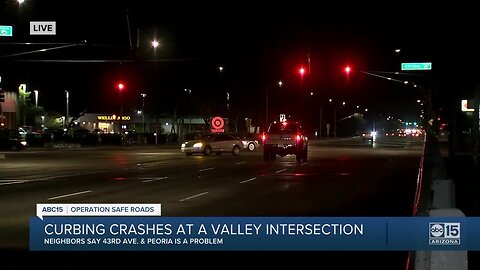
(212, 143)
(369, 135)
(250, 145)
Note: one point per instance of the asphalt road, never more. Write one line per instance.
(345, 177)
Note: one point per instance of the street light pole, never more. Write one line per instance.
(335, 122)
(280, 83)
(143, 111)
(266, 108)
(67, 96)
(36, 97)
(321, 120)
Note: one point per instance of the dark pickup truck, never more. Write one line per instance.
(285, 138)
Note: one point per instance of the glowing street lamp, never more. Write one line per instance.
(279, 83)
(36, 97)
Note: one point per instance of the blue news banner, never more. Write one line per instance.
(254, 233)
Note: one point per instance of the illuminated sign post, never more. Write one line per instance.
(6, 31)
(218, 124)
(417, 66)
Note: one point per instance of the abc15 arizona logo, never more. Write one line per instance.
(443, 233)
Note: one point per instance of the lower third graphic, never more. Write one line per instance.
(442, 233)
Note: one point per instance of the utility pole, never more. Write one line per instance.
(321, 116)
(143, 112)
(66, 117)
(335, 122)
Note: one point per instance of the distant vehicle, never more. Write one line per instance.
(285, 138)
(369, 135)
(211, 143)
(11, 139)
(390, 134)
(250, 142)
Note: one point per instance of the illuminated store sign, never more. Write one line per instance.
(112, 117)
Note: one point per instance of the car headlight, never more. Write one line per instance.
(183, 145)
(24, 143)
(198, 145)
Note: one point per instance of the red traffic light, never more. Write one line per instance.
(301, 71)
(348, 69)
(121, 86)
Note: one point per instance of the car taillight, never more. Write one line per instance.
(264, 137)
(299, 137)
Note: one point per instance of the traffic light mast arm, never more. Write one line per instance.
(383, 77)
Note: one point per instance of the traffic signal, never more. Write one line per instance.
(301, 71)
(120, 87)
(347, 70)
(2, 95)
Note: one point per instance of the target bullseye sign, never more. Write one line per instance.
(217, 124)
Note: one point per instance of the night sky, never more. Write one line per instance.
(257, 43)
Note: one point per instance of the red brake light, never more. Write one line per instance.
(264, 137)
(299, 137)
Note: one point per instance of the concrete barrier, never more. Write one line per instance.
(439, 259)
(451, 260)
(443, 194)
(435, 197)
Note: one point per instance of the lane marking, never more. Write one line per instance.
(11, 182)
(248, 180)
(206, 169)
(194, 196)
(282, 170)
(155, 179)
(69, 195)
(304, 163)
(241, 162)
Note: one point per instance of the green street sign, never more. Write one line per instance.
(417, 66)
(6, 31)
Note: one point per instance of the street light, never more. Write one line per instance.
(280, 83)
(66, 96)
(155, 44)
(36, 97)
